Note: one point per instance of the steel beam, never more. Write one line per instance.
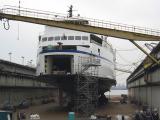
(132, 36)
(150, 56)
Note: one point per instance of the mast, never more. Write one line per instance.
(70, 11)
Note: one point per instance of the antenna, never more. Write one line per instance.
(70, 11)
(19, 6)
(18, 22)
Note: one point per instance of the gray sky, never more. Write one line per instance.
(134, 12)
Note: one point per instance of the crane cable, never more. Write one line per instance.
(125, 72)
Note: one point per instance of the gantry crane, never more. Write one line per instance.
(123, 31)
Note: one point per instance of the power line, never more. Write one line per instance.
(124, 73)
(127, 50)
(123, 58)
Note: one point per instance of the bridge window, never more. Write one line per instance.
(96, 40)
(77, 37)
(44, 39)
(64, 37)
(50, 38)
(84, 37)
(57, 38)
(70, 37)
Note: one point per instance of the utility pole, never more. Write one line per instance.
(22, 60)
(10, 56)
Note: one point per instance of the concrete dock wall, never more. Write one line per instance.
(144, 83)
(146, 95)
(145, 88)
(19, 80)
(18, 83)
(35, 96)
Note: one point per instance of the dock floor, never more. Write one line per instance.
(52, 112)
(114, 108)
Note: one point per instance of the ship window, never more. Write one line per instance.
(50, 38)
(44, 39)
(57, 38)
(70, 37)
(64, 37)
(84, 37)
(96, 40)
(78, 37)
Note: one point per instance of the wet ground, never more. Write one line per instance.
(45, 111)
(52, 112)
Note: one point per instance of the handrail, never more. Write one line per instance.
(91, 22)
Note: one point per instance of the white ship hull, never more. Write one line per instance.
(106, 55)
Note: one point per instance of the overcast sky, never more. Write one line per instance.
(134, 12)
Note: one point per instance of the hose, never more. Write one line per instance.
(6, 24)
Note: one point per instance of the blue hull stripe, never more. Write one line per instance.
(76, 51)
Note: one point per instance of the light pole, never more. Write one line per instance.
(10, 56)
(22, 60)
(30, 63)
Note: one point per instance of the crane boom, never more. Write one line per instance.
(94, 26)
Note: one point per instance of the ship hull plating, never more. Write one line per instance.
(67, 85)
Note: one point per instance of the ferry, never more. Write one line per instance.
(63, 53)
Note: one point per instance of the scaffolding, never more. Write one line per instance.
(86, 85)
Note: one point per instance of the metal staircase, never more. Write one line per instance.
(87, 85)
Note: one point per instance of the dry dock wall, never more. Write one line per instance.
(144, 83)
(144, 87)
(16, 95)
(18, 83)
(146, 95)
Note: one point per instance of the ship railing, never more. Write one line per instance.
(91, 22)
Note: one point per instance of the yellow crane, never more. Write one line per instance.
(123, 31)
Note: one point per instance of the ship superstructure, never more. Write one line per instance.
(59, 50)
